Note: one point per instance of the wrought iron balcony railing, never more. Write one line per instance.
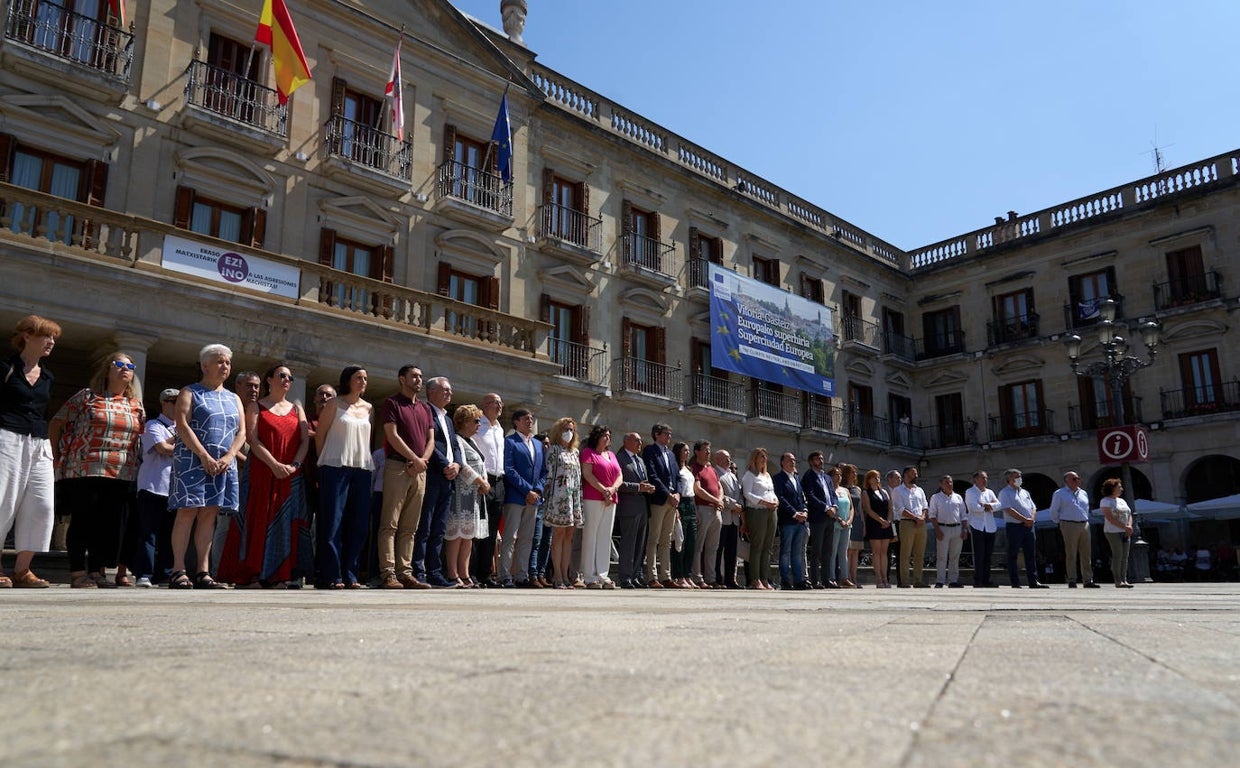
(1099, 416)
(646, 253)
(650, 378)
(1024, 424)
(1201, 401)
(367, 146)
(860, 331)
(940, 345)
(1009, 329)
(85, 40)
(486, 190)
(557, 221)
(718, 393)
(1193, 289)
(899, 345)
(579, 361)
(777, 406)
(235, 97)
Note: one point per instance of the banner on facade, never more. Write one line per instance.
(761, 331)
(223, 266)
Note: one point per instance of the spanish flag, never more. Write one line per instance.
(275, 30)
(117, 7)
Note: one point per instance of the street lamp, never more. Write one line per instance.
(1115, 367)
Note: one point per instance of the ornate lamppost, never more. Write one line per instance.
(1115, 368)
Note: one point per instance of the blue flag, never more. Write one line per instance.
(502, 136)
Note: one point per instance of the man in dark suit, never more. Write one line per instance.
(525, 473)
(662, 472)
(441, 472)
(821, 503)
(793, 529)
(632, 510)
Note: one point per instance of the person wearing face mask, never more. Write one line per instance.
(1020, 513)
(562, 510)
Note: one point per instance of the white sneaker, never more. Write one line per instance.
(144, 581)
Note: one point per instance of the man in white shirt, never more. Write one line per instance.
(912, 510)
(1070, 511)
(725, 566)
(1020, 514)
(981, 503)
(948, 514)
(490, 442)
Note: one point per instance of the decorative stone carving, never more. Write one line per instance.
(513, 13)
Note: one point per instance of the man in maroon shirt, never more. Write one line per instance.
(407, 445)
(708, 498)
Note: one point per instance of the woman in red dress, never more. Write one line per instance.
(261, 550)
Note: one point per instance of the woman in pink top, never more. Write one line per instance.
(600, 474)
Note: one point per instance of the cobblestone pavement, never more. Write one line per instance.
(1149, 676)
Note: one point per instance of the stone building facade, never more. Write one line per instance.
(128, 156)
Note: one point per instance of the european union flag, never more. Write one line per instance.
(502, 136)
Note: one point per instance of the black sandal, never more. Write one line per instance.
(203, 580)
(179, 580)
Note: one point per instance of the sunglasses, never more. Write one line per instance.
(121, 365)
(285, 377)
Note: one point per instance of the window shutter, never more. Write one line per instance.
(806, 290)
(583, 197)
(6, 155)
(490, 292)
(95, 182)
(544, 308)
(444, 287)
(656, 228)
(1112, 286)
(695, 243)
(254, 226)
(183, 207)
(493, 166)
(695, 356)
(626, 338)
(626, 217)
(548, 190)
(1005, 410)
(581, 324)
(338, 88)
(449, 142)
(660, 345)
(327, 246)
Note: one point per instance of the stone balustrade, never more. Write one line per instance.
(37, 221)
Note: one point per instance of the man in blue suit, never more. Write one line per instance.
(525, 472)
(821, 503)
(662, 472)
(441, 472)
(793, 529)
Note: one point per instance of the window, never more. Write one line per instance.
(219, 219)
(1086, 293)
(703, 250)
(1014, 317)
(74, 29)
(711, 386)
(942, 332)
(1199, 373)
(570, 336)
(850, 303)
(895, 337)
(356, 258)
(643, 246)
(471, 159)
(861, 412)
(1020, 408)
(566, 209)
(357, 121)
(811, 288)
(1098, 404)
(31, 168)
(766, 270)
(232, 73)
(1188, 280)
(644, 350)
(479, 290)
(949, 418)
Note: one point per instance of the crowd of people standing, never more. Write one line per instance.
(242, 486)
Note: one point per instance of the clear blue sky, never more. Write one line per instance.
(915, 121)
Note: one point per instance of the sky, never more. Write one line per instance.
(914, 121)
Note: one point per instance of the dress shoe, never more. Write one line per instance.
(906, 586)
(1071, 585)
(655, 584)
(919, 585)
(1092, 585)
(507, 584)
(391, 582)
(938, 585)
(412, 582)
(832, 585)
(1039, 585)
(627, 584)
(956, 585)
(1016, 586)
(803, 585)
(442, 583)
(848, 584)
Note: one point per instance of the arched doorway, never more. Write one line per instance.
(1141, 486)
(1211, 477)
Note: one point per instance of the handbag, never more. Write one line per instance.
(678, 535)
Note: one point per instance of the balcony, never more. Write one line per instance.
(59, 46)
(233, 107)
(647, 257)
(859, 333)
(940, 345)
(1010, 329)
(650, 378)
(825, 417)
(363, 153)
(1087, 314)
(900, 346)
(37, 223)
(1022, 425)
(1099, 416)
(570, 233)
(473, 196)
(948, 435)
(1186, 291)
(1201, 401)
(699, 273)
(582, 362)
(869, 427)
(717, 393)
(773, 405)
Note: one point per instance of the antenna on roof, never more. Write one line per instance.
(1156, 153)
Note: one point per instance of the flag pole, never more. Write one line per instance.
(486, 159)
(400, 38)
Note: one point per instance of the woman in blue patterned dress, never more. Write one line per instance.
(204, 471)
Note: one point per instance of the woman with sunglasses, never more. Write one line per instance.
(262, 545)
(95, 437)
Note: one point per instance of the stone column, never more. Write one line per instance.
(135, 344)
